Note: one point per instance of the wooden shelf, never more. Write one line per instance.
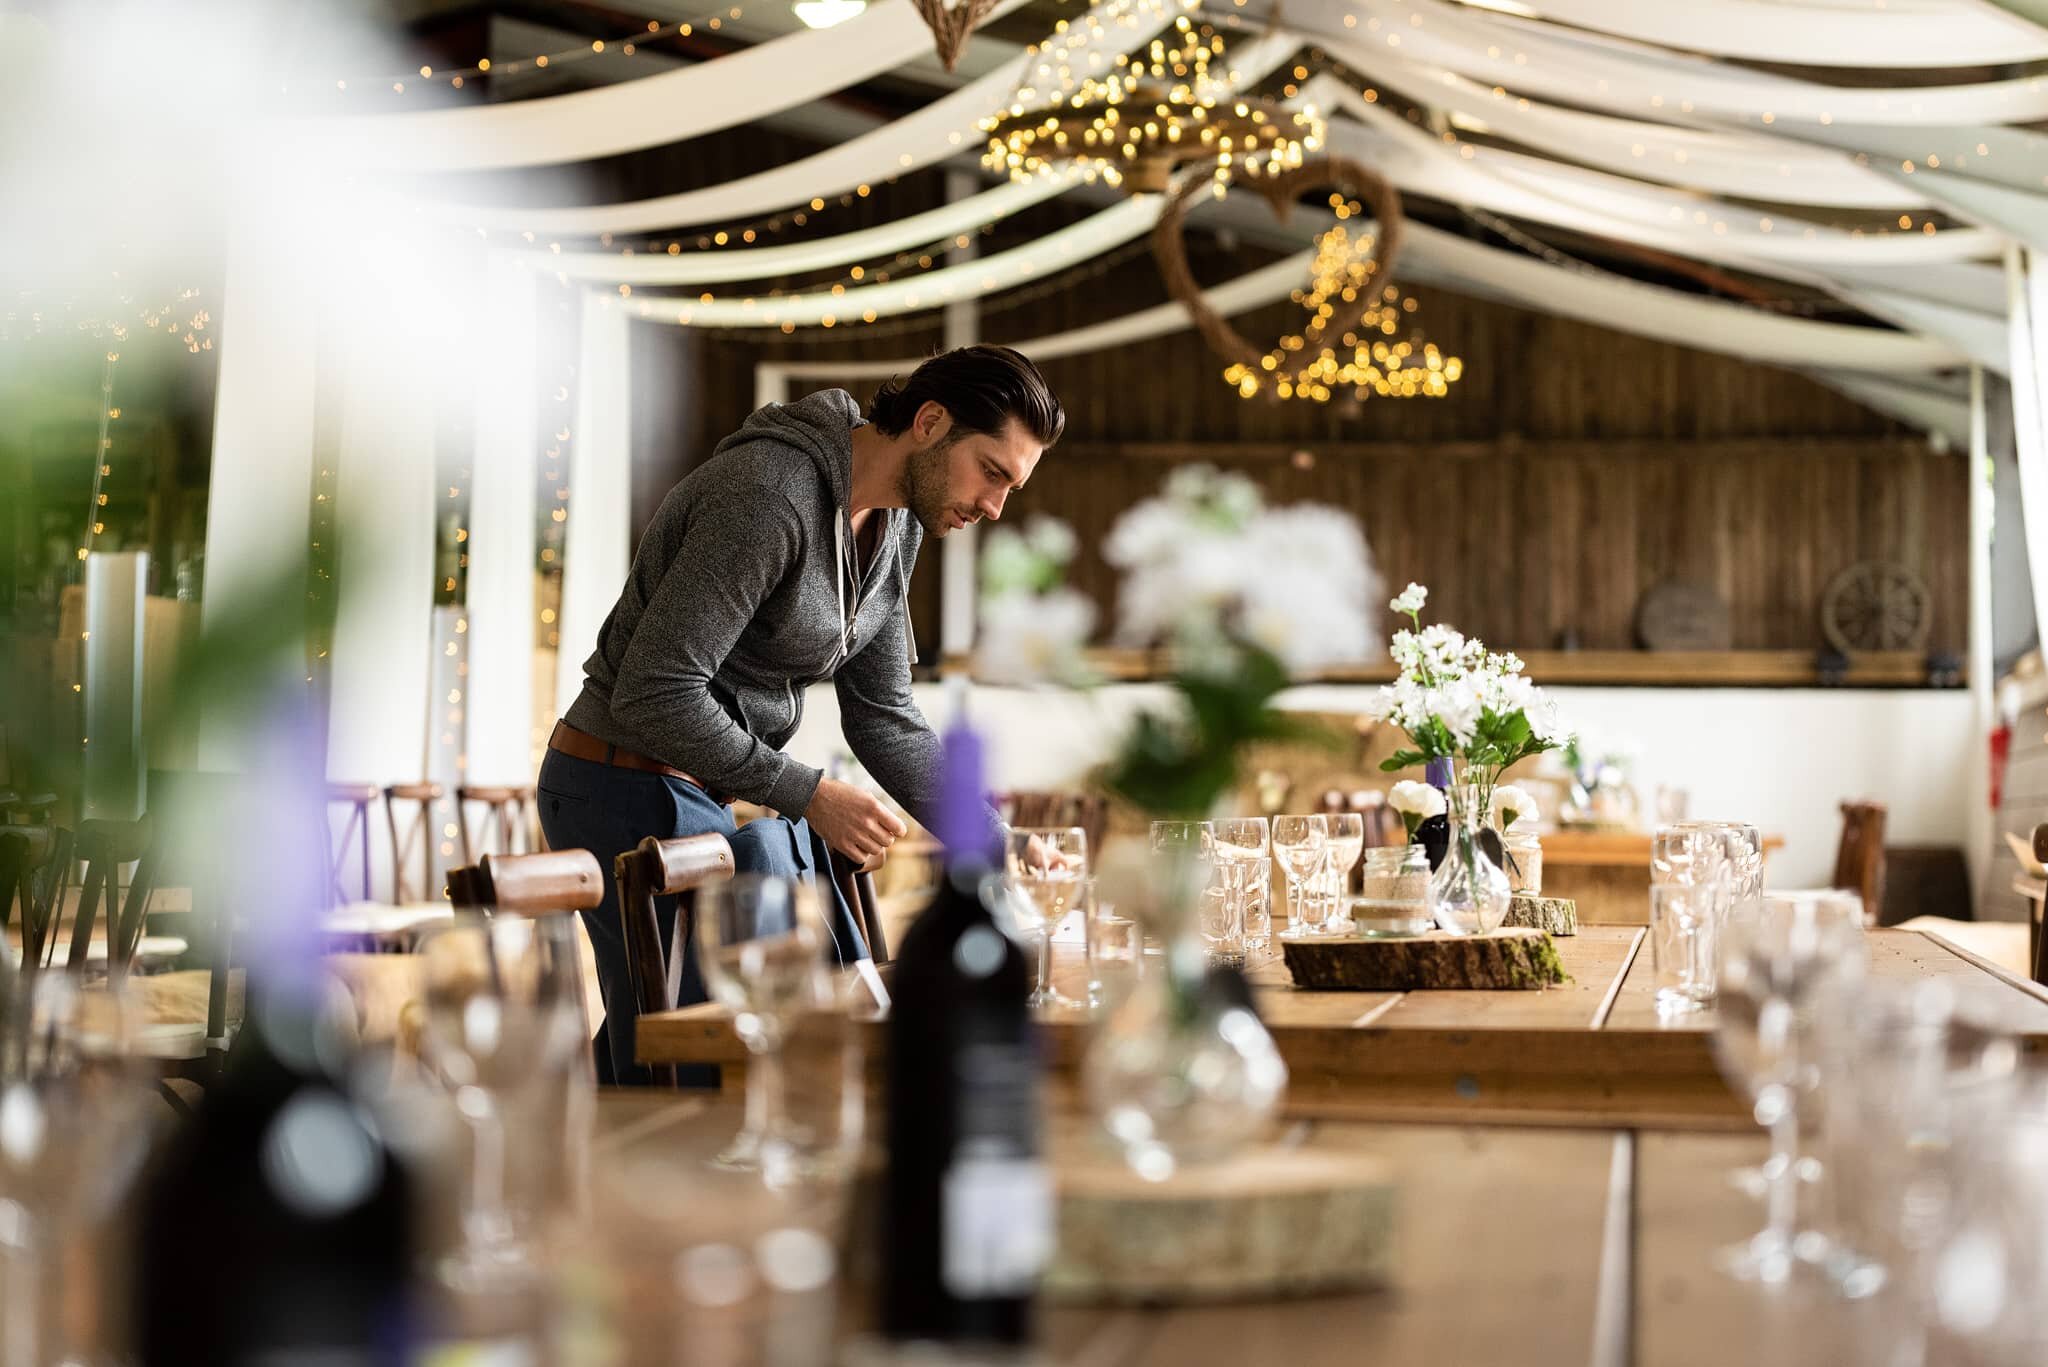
(1651, 668)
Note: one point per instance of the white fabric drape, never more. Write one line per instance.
(1645, 82)
(259, 489)
(648, 111)
(938, 132)
(1958, 33)
(594, 550)
(710, 267)
(500, 599)
(1054, 252)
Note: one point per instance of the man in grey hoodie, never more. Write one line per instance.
(782, 561)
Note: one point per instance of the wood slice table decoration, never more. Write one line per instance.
(1552, 915)
(1517, 959)
(1269, 1222)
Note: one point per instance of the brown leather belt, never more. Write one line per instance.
(582, 745)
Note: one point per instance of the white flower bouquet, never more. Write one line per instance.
(1242, 596)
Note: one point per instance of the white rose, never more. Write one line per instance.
(1416, 799)
(1513, 806)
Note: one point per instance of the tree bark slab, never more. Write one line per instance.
(1517, 959)
(1552, 915)
(1266, 1223)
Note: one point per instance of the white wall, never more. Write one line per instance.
(1781, 758)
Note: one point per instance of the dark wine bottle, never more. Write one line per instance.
(1434, 833)
(278, 1224)
(967, 1219)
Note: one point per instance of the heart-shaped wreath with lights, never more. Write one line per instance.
(1348, 303)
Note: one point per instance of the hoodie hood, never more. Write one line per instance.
(820, 425)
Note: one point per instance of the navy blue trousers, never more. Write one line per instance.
(607, 810)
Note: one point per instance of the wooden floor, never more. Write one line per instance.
(1515, 1245)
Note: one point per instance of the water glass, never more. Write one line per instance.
(761, 942)
(1250, 838)
(503, 1033)
(1046, 864)
(1116, 948)
(1784, 957)
(1303, 846)
(1682, 941)
(1223, 906)
(1347, 843)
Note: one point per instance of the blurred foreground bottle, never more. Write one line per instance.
(277, 1225)
(967, 1210)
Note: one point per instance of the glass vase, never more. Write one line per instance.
(1469, 893)
(1182, 1072)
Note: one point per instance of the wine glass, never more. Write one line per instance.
(503, 1032)
(1303, 844)
(1248, 839)
(1047, 865)
(1781, 956)
(761, 943)
(1347, 847)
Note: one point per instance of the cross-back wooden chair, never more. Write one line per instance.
(663, 868)
(105, 846)
(508, 815)
(1859, 858)
(418, 836)
(1089, 811)
(31, 862)
(355, 832)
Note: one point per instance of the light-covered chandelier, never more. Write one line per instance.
(1170, 106)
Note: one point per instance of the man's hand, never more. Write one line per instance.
(1040, 857)
(853, 821)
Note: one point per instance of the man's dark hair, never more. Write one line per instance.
(981, 386)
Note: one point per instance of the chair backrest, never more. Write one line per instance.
(355, 831)
(105, 846)
(546, 884)
(662, 868)
(417, 834)
(508, 821)
(1089, 811)
(1859, 858)
(31, 860)
(857, 886)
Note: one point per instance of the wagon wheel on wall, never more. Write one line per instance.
(1876, 605)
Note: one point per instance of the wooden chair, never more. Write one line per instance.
(1859, 858)
(510, 810)
(554, 883)
(663, 868)
(857, 886)
(2037, 922)
(355, 830)
(31, 860)
(1089, 811)
(105, 846)
(418, 834)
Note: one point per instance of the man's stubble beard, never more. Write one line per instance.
(924, 486)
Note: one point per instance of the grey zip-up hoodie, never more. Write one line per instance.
(745, 589)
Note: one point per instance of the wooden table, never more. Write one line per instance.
(1606, 872)
(1590, 1052)
(1514, 1245)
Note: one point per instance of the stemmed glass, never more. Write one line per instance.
(1303, 844)
(1347, 847)
(503, 1031)
(1781, 956)
(1248, 840)
(73, 1101)
(1047, 865)
(761, 944)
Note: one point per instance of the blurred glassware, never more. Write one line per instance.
(1223, 909)
(761, 942)
(1781, 958)
(1250, 838)
(74, 1110)
(1116, 948)
(1682, 922)
(504, 1034)
(1671, 804)
(1046, 864)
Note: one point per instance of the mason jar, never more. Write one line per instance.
(1393, 892)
